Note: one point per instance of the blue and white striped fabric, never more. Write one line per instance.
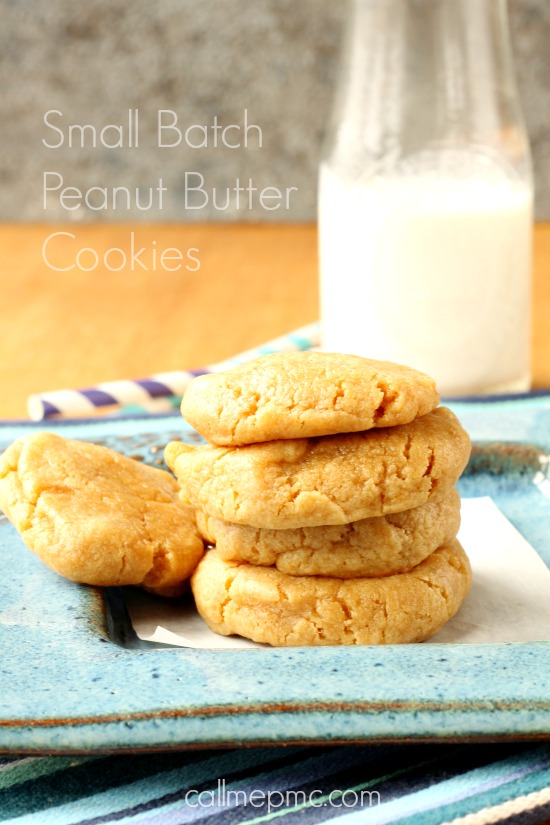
(472, 784)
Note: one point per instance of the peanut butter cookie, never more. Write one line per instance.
(379, 546)
(322, 481)
(97, 517)
(303, 395)
(267, 606)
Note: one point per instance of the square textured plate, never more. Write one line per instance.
(74, 679)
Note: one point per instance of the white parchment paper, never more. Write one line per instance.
(509, 600)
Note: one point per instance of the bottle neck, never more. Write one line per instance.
(428, 76)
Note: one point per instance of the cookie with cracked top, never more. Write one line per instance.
(97, 517)
(268, 606)
(322, 481)
(379, 546)
(304, 395)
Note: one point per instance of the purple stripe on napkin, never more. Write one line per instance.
(49, 409)
(160, 385)
(99, 398)
(156, 389)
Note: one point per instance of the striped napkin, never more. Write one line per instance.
(158, 393)
(470, 784)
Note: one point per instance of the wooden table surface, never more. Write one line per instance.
(77, 328)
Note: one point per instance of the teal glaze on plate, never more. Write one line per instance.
(67, 686)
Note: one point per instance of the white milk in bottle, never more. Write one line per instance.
(425, 196)
(430, 272)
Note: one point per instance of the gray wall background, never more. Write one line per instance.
(276, 58)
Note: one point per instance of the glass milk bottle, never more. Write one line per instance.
(425, 196)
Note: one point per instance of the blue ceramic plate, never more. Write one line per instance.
(75, 679)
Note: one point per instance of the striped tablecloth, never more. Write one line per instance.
(469, 784)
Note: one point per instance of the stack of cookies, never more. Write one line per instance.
(327, 490)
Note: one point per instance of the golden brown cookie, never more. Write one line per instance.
(303, 395)
(320, 481)
(97, 517)
(267, 606)
(379, 546)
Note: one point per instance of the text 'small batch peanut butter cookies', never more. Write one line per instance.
(327, 488)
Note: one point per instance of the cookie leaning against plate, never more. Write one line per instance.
(379, 546)
(267, 606)
(303, 395)
(319, 481)
(97, 517)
